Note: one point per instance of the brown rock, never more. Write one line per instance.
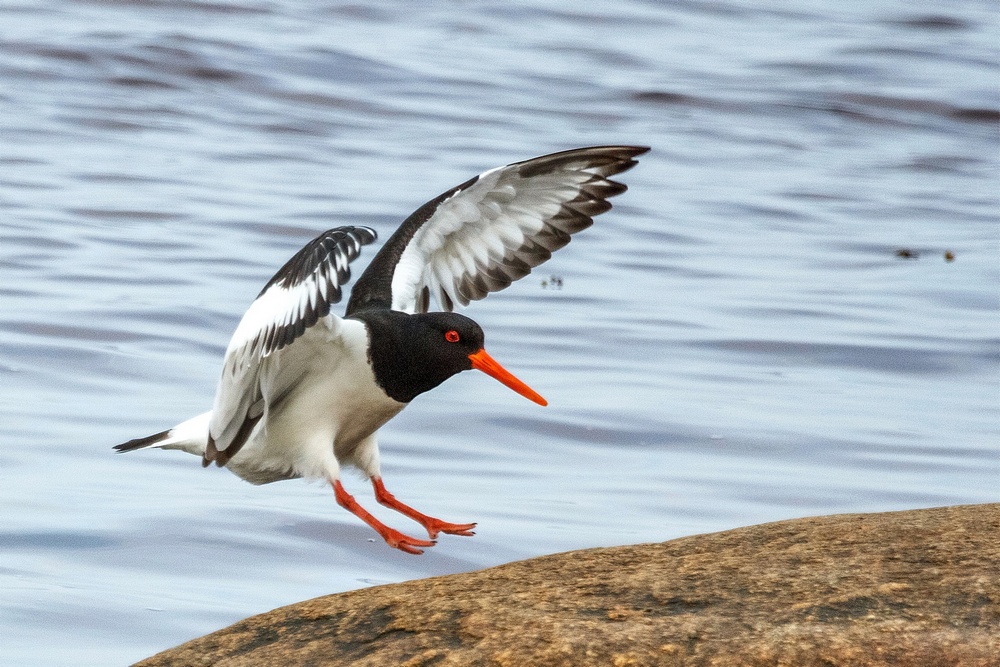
(905, 588)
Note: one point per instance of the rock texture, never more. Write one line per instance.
(906, 588)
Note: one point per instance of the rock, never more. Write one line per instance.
(920, 587)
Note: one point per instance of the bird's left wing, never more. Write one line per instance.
(297, 297)
(481, 236)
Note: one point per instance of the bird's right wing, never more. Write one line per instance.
(295, 299)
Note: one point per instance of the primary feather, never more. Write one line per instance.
(484, 234)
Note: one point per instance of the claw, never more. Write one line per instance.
(403, 542)
(435, 526)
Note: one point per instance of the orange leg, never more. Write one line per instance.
(393, 537)
(433, 526)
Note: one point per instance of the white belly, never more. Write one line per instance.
(322, 402)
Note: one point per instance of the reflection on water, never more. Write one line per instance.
(737, 342)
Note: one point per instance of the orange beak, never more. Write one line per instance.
(485, 363)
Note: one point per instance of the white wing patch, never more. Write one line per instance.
(295, 299)
(493, 232)
(302, 291)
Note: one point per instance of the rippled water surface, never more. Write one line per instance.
(739, 341)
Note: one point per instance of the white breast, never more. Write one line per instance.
(321, 402)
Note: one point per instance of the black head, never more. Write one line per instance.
(411, 354)
(442, 343)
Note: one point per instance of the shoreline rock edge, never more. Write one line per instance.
(918, 587)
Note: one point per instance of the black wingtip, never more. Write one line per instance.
(632, 151)
(139, 443)
(608, 160)
(639, 150)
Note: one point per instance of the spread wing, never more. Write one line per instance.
(488, 232)
(296, 298)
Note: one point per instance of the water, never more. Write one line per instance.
(736, 342)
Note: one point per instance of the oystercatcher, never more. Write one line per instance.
(304, 391)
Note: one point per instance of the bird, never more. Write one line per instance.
(304, 391)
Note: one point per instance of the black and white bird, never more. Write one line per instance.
(303, 392)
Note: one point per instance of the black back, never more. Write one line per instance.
(374, 287)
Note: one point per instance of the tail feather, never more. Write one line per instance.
(141, 443)
(190, 436)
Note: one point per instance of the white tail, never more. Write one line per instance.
(190, 436)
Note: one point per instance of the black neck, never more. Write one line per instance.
(403, 362)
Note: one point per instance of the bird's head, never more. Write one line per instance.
(458, 342)
(412, 354)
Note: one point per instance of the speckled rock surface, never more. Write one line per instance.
(920, 587)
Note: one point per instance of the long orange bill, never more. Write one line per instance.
(485, 363)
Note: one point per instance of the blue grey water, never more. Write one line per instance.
(736, 342)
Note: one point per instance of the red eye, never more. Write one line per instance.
(451, 336)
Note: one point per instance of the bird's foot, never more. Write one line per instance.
(435, 526)
(431, 524)
(392, 537)
(404, 542)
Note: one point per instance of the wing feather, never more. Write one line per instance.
(298, 296)
(488, 232)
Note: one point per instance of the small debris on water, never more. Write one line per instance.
(906, 253)
(553, 281)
